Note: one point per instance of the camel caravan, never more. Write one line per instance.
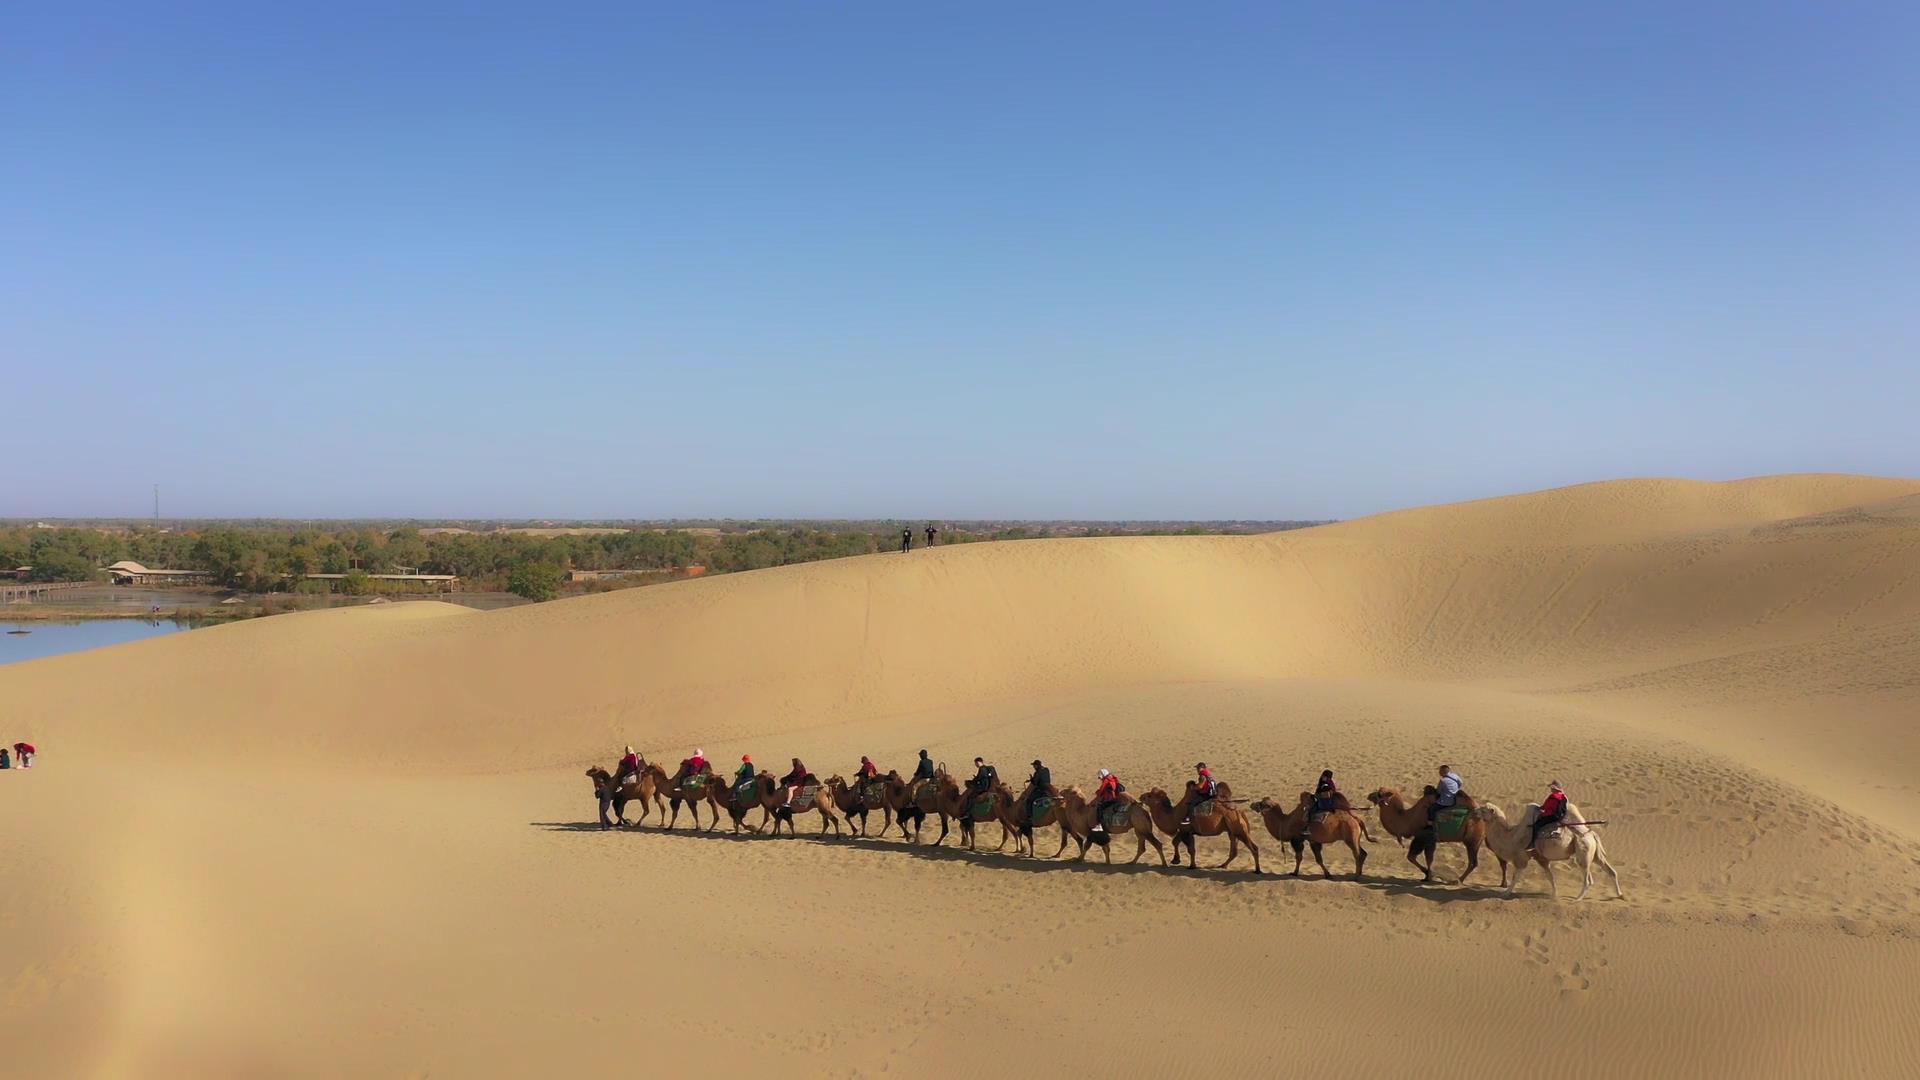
(1551, 831)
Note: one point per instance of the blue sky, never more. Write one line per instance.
(1008, 260)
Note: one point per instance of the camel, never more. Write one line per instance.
(692, 790)
(726, 797)
(773, 799)
(1173, 819)
(617, 798)
(1077, 817)
(941, 797)
(1342, 826)
(1575, 843)
(1002, 811)
(1411, 823)
(1052, 815)
(850, 802)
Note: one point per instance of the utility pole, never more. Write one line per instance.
(156, 506)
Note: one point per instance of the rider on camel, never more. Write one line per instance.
(1553, 811)
(1040, 783)
(794, 779)
(984, 777)
(1445, 794)
(746, 771)
(692, 766)
(1326, 795)
(1104, 796)
(629, 766)
(924, 770)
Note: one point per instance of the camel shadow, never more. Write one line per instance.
(988, 859)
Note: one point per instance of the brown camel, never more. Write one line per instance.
(852, 801)
(1178, 821)
(1051, 813)
(811, 796)
(1122, 817)
(912, 802)
(692, 790)
(617, 798)
(1000, 809)
(1297, 828)
(737, 802)
(1410, 823)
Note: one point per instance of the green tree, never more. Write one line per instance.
(535, 581)
(356, 583)
(56, 565)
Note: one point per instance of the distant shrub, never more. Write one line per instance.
(536, 581)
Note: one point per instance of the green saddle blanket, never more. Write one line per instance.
(746, 791)
(926, 795)
(983, 806)
(1116, 817)
(1201, 808)
(1040, 807)
(695, 785)
(1450, 823)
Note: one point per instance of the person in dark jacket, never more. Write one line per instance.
(984, 777)
(795, 777)
(906, 539)
(1326, 794)
(924, 770)
(931, 532)
(1040, 783)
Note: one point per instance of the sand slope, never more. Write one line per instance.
(355, 842)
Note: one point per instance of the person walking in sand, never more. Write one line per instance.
(6, 758)
(906, 540)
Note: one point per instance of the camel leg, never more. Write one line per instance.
(1158, 849)
(1063, 839)
(1553, 887)
(1413, 856)
(1359, 858)
(1473, 861)
(1299, 849)
(1322, 863)
(1518, 868)
(1247, 839)
(1233, 849)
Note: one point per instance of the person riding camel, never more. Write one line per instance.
(984, 777)
(1445, 794)
(1553, 812)
(867, 772)
(692, 766)
(924, 770)
(1104, 796)
(1326, 794)
(746, 770)
(629, 766)
(1039, 784)
(793, 780)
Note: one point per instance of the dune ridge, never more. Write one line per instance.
(388, 801)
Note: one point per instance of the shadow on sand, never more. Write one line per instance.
(1237, 875)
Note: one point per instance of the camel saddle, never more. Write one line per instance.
(1450, 823)
(746, 790)
(873, 794)
(924, 794)
(1116, 817)
(983, 805)
(803, 799)
(1039, 807)
(695, 784)
(1201, 808)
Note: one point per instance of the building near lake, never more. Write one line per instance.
(128, 572)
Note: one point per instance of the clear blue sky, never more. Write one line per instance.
(861, 259)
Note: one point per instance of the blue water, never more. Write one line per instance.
(54, 638)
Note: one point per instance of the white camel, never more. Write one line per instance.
(1574, 843)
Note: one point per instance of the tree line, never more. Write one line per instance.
(270, 557)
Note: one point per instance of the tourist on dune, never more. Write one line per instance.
(1203, 784)
(1040, 783)
(984, 777)
(745, 772)
(23, 752)
(629, 767)
(6, 758)
(867, 772)
(906, 539)
(1445, 794)
(930, 534)
(794, 779)
(1105, 795)
(1553, 811)
(692, 766)
(924, 770)
(1326, 795)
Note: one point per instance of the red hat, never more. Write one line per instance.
(746, 758)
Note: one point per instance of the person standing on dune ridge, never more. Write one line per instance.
(906, 540)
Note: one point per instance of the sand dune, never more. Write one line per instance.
(355, 841)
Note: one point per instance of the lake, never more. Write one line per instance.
(54, 638)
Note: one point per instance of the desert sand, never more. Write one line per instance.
(358, 842)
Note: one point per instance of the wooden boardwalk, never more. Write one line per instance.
(28, 590)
